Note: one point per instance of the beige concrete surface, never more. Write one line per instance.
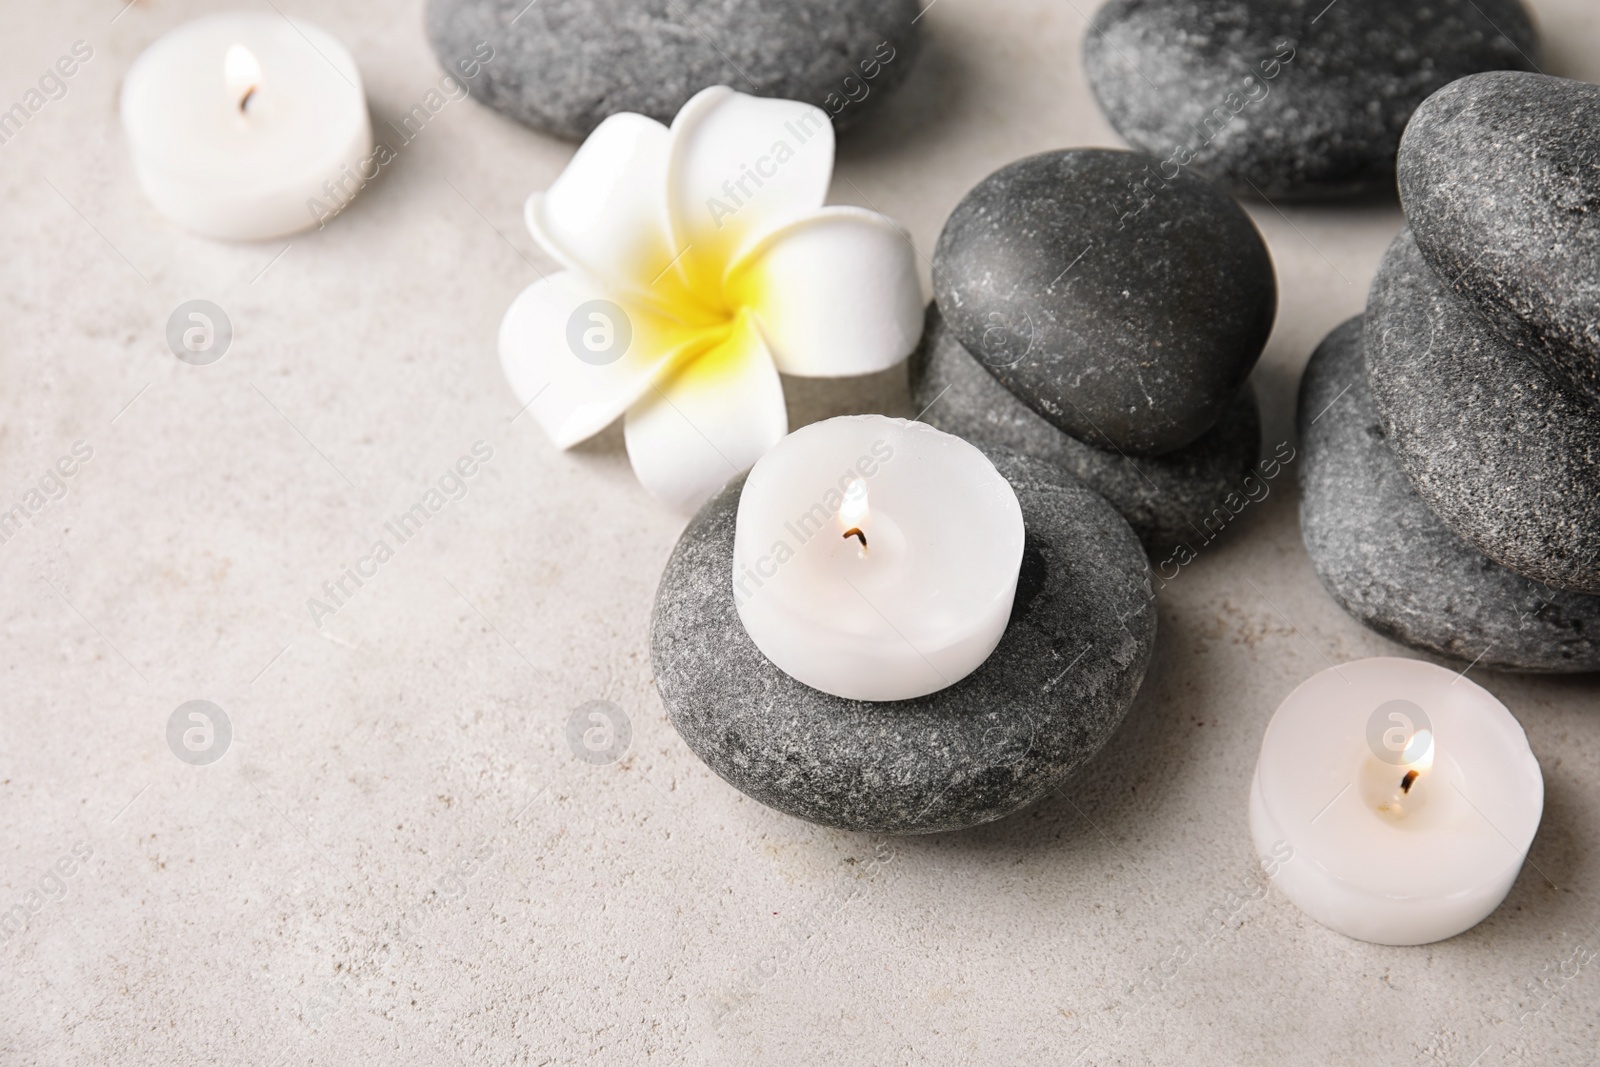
(399, 860)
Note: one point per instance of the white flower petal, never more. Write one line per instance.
(836, 293)
(574, 397)
(739, 167)
(707, 422)
(606, 214)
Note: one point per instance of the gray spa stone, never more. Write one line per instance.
(562, 66)
(1392, 564)
(1290, 99)
(1127, 317)
(1061, 679)
(1506, 453)
(1166, 499)
(1500, 178)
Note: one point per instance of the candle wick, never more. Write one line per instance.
(245, 99)
(855, 531)
(1409, 780)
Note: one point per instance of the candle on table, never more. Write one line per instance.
(1397, 800)
(238, 122)
(875, 558)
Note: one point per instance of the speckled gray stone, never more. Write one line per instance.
(1051, 695)
(1500, 178)
(1392, 564)
(1502, 450)
(1290, 99)
(1166, 499)
(1128, 319)
(562, 66)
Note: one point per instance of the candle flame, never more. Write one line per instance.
(853, 512)
(1420, 752)
(242, 71)
(1402, 799)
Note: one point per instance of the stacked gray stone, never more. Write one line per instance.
(1093, 332)
(1045, 701)
(1093, 314)
(1480, 385)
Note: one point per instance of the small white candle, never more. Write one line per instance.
(1397, 800)
(238, 123)
(875, 558)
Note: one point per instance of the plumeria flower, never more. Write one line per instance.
(700, 263)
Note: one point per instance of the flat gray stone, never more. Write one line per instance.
(1051, 695)
(562, 66)
(1392, 564)
(1290, 99)
(1128, 319)
(1500, 178)
(1179, 498)
(1506, 453)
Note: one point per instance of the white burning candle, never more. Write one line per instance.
(240, 123)
(1403, 795)
(875, 558)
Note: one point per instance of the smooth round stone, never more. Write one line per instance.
(1061, 679)
(562, 66)
(1129, 319)
(1503, 451)
(1392, 564)
(1168, 500)
(1290, 99)
(1500, 178)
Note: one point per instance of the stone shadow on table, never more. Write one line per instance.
(1385, 196)
(1564, 42)
(1277, 388)
(918, 113)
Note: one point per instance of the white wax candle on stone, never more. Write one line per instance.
(875, 558)
(1396, 800)
(238, 122)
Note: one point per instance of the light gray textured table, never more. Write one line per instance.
(400, 861)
